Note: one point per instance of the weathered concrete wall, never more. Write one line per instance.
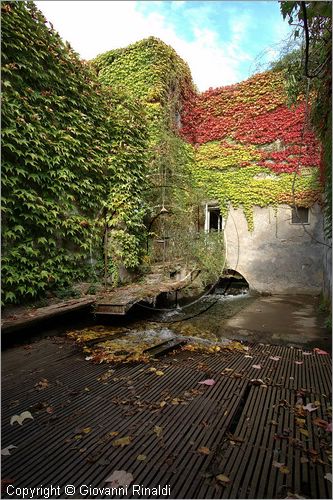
(327, 264)
(277, 257)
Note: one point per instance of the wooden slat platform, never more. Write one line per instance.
(233, 418)
(119, 301)
(35, 316)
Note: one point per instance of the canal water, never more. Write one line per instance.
(236, 314)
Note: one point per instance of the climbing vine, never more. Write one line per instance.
(73, 160)
(249, 145)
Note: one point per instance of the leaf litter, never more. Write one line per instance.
(6, 451)
(20, 418)
(119, 478)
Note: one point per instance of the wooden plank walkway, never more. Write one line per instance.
(33, 316)
(245, 427)
(120, 300)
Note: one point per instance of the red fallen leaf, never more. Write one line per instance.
(320, 422)
(319, 351)
(209, 381)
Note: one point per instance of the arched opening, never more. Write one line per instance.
(232, 283)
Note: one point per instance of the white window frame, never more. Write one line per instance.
(208, 208)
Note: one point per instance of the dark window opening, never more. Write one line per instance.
(300, 215)
(215, 220)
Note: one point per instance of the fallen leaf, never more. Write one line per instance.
(20, 418)
(284, 470)
(152, 369)
(113, 433)
(304, 432)
(298, 362)
(307, 353)
(120, 478)
(176, 401)
(159, 372)
(122, 441)
(278, 465)
(222, 478)
(158, 430)
(208, 381)
(86, 430)
(329, 427)
(274, 358)
(328, 476)
(273, 422)
(162, 403)
(320, 422)
(257, 367)
(310, 407)
(300, 422)
(304, 460)
(257, 381)
(6, 451)
(203, 450)
(141, 458)
(42, 384)
(319, 351)
(248, 356)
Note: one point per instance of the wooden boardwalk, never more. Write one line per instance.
(33, 316)
(119, 301)
(185, 434)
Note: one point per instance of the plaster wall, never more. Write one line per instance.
(327, 286)
(277, 257)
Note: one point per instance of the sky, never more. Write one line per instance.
(222, 41)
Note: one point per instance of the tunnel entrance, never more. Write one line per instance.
(231, 283)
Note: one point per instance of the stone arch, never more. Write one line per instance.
(232, 281)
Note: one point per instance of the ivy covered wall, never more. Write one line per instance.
(153, 73)
(93, 151)
(251, 149)
(73, 161)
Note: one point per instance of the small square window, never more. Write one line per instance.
(300, 215)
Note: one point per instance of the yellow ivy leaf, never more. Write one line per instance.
(158, 430)
(222, 478)
(204, 450)
(284, 470)
(122, 441)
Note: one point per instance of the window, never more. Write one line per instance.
(299, 215)
(213, 219)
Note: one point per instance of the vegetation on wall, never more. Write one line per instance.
(98, 156)
(251, 149)
(73, 161)
(152, 72)
(310, 71)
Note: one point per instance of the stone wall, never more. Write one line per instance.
(327, 264)
(278, 256)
